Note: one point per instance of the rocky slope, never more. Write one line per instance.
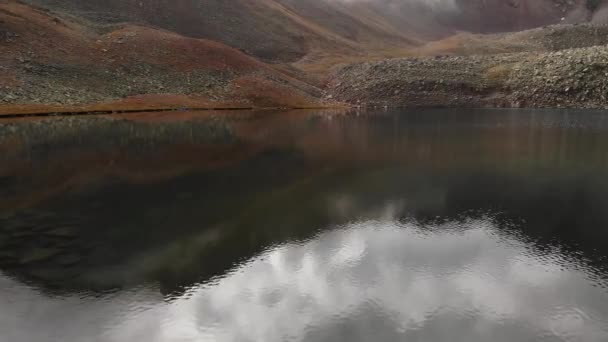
(277, 31)
(48, 59)
(287, 30)
(277, 53)
(554, 77)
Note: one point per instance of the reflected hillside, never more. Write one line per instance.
(180, 203)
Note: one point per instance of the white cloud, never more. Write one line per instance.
(458, 282)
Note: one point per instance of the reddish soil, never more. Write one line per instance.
(143, 102)
(277, 98)
(137, 44)
(65, 57)
(51, 38)
(39, 40)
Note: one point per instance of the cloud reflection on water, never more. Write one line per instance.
(380, 280)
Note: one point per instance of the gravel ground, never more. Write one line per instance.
(71, 85)
(569, 78)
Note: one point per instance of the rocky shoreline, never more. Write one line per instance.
(564, 78)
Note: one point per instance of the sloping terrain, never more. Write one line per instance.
(266, 29)
(257, 53)
(51, 60)
(545, 39)
(561, 66)
(287, 30)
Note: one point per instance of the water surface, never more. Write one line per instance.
(435, 225)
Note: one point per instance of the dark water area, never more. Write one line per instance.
(434, 225)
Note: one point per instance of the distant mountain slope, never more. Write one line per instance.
(267, 29)
(287, 30)
(251, 53)
(55, 60)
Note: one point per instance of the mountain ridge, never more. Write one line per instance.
(288, 30)
(246, 53)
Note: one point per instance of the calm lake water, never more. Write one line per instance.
(430, 226)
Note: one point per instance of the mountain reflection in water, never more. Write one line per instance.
(434, 225)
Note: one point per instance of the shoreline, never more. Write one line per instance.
(26, 111)
(95, 110)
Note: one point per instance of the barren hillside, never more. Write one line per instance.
(556, 66)
(287, 30)
(48, 59)
(252, 53)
